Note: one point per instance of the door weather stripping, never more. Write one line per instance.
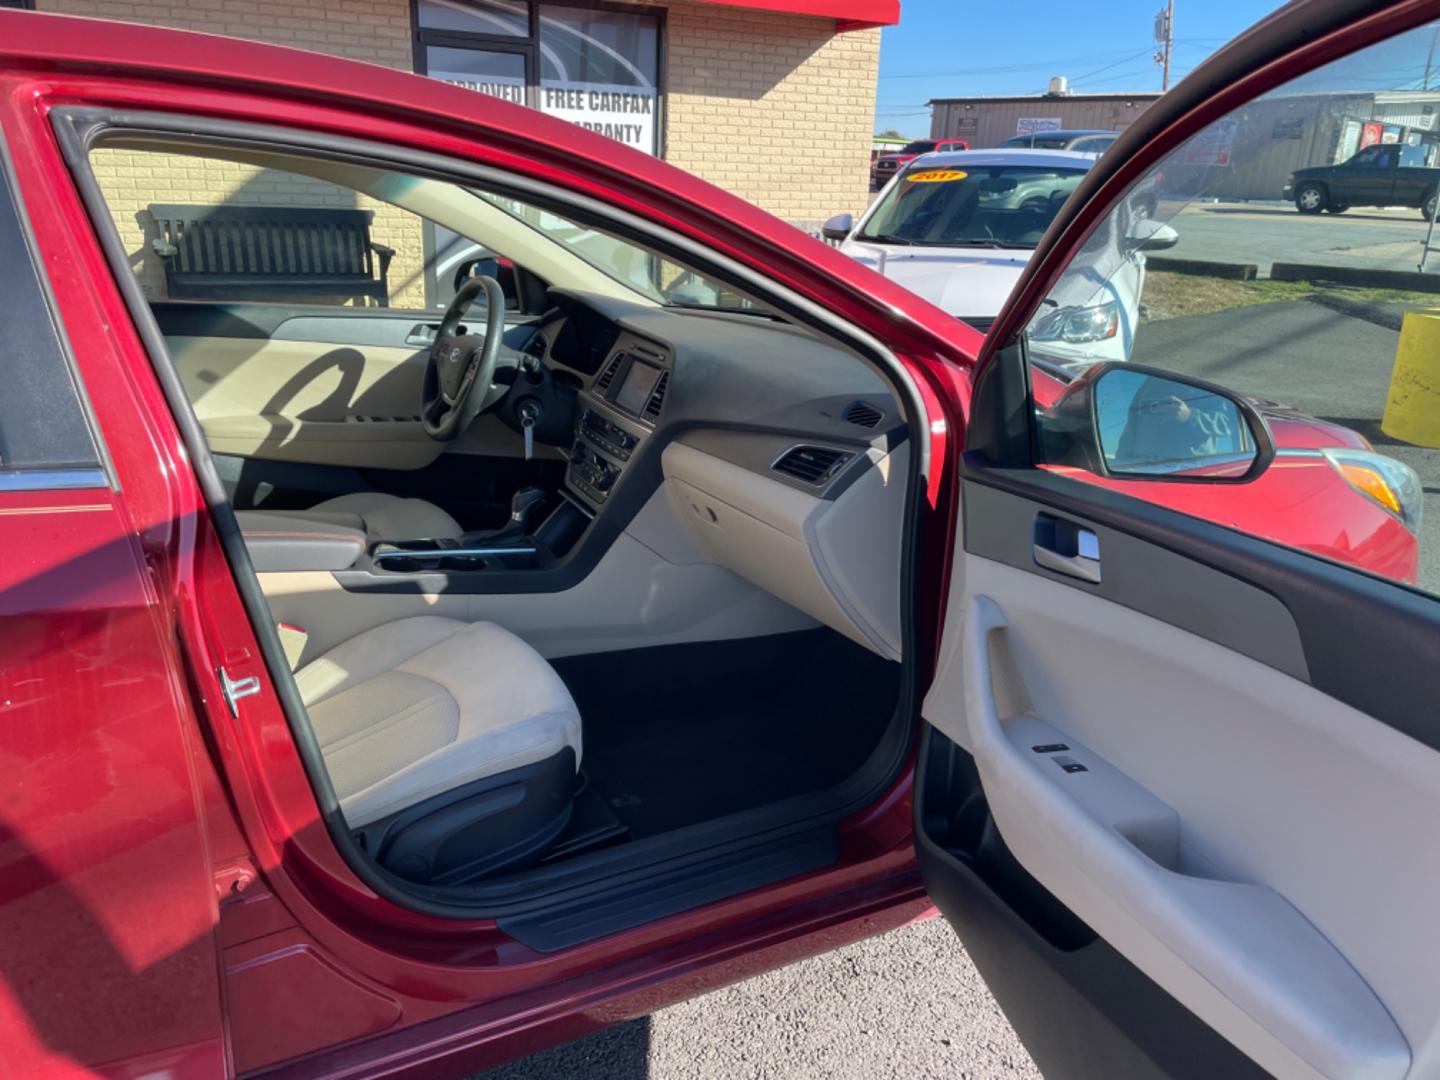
(234, 690)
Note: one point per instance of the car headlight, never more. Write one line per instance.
(1391, 483)
(1077, 325)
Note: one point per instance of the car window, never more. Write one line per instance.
(1247, 259)
(970, 206)
(286, 229)
(45, 439)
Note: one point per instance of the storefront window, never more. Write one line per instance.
(510, 18)
(596, 67)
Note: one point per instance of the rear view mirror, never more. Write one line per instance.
(838, 227)
(1148, 235)
(1126, 421)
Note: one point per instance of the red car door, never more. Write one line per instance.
(1179, 788)
(108, 907)
(322, 969)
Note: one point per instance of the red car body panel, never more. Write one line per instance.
(172, 901)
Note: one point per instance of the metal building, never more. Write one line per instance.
(989, 121)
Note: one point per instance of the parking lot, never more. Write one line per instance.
(1262, 233)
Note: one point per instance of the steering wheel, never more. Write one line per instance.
(461, 367)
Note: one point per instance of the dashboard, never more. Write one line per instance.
(783, 455)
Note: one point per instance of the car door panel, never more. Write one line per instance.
(1234, 814)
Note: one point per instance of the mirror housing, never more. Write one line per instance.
(838, 227)
(487, 264)
(1130, 422)
(1150, 235)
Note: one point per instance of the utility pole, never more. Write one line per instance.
(1165, 39)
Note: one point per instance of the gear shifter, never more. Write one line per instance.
(525, 507)
(525, 504)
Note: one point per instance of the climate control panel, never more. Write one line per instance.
(591, 474)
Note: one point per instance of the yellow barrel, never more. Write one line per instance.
(1412, 409)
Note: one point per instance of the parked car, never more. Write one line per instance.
(959, 229)
(1378, 175)
(803, 617)
(1082, 141)
(887, 165)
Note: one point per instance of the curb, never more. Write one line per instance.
(1390, 316)
(1410, 280)
(1228, 271)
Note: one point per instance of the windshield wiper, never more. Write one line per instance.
(983, 244)
(886, 238)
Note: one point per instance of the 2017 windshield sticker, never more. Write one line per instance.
(936, 176)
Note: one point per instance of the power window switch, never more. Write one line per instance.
(1049, 748)
(1069, 764)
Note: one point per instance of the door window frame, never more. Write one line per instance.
(424, 37)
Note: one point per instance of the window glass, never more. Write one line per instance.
(971, 206)
(599, 69)
(503, 17)
(292, 230)
(42, 423)
(920, 146)
(1224, 266)
(498, 74)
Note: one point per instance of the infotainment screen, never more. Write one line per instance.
(634, 392)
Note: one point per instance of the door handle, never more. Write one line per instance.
(1066, 548)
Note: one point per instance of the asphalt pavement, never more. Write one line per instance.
(1264, 233)
(908, 1004)
(1324, 362)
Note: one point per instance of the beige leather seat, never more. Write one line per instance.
(418, 707)
(389, 517)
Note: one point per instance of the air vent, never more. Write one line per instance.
(657, 397)
(812, 464)
(608, 375)
(862, 413)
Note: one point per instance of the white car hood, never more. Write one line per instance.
(967, 282)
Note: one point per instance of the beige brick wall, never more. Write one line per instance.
(377, 31)
(777, 109)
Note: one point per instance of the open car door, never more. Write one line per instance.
(1180, 782)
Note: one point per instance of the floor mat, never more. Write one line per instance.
(684, 733)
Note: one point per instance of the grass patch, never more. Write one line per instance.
(1171, 296)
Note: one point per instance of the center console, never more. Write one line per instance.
(616, 414)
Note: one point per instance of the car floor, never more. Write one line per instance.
(686, 733)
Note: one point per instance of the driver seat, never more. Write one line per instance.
(390, 517)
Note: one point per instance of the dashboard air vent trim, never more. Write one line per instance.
(608, 375)
(862, 414)
(811, 464)
(656, 401)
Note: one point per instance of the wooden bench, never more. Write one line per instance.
(270, 252)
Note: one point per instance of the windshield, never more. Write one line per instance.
(637, 268)
(1040, 142)
(920, 146)
(975, 206)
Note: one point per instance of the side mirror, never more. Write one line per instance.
(492, 266)
(838, 227)
(1148, 235)
(1130, 422)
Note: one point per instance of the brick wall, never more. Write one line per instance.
(777, 109)
(377, 31)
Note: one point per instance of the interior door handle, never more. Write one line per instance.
(1066, 548)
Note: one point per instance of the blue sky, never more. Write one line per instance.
(956, 48)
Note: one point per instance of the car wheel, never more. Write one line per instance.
(1311, 199)
(1428, 210)
(1337, 209)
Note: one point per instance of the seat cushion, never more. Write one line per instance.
(420, 706)
(389, 517)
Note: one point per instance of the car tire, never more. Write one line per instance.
(1311, 198)
(1427, 208)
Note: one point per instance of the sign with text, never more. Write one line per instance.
(623, 113)
(1033, 125)
(1213, 145)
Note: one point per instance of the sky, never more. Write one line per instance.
(959, 48)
